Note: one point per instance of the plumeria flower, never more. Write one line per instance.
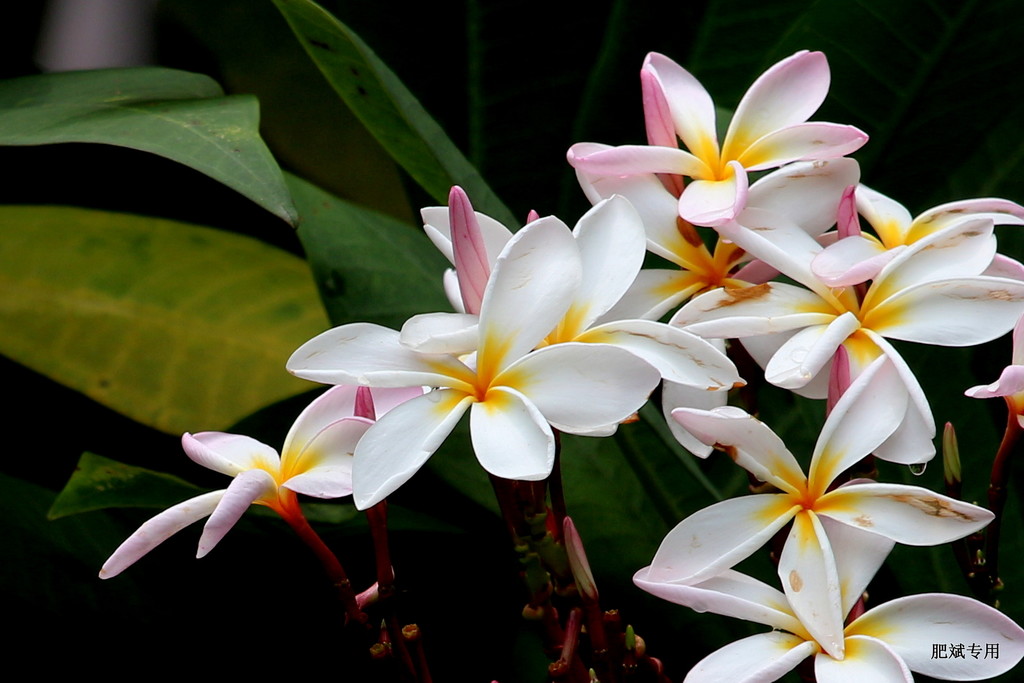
(515, 394)
(861, 256)
(716, 538)
(611, 242)
(931, 293)
(1010, 384)
(769, 129)
(316, 461)
(883, 645)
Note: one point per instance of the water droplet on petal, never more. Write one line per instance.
(917, 469)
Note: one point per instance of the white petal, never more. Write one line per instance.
(758, 449)
(229, 454)
(371, 355)
(438, 228)
(811, 582)
(858, 554)
(907, 514)
(323, 469)
(956, 312)
(802, 142)
(635, 159)
(581, 387)
(679, 356)
(533, 282)
(801, 358)
(399, 443)
(851, 261)
(867, 659)
(612, 246)
(913, 625)
(730, 594)
(718, 536)
(784, 95)
(714, 202)
(159, 529)
(326, 409)
(755, 659)
(243, 491)
(999, 211)
(889, 218)
(751, 311)
(806, 192)
(510, 437)
(451, 333)
(653, 294)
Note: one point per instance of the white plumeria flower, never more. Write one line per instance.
(1010, 384)
(316, 461)
(857, 259)
(717, 537)
(929, 293)
(769, 129)
(883, 645)
(611, 242)
(515, 394)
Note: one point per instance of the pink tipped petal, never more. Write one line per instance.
(715, 202)
(755, 659)
(399, 443)
(581, 387)
(801, 358)
(866, 659)
(890, 219)
(159, 529)
(807, 193)
(1004, 266)
(578, 563)
(243, 491)
(692, 109)
(538, 272)
(437, 225)
(811, 582)
(471, 260)
(955, 312)
(324, 468)
(661, 129)
(852, 261)
(371, 355)
(751, 311)
(325, 410)
(679, 356)
(719, 536)
(847, 222)
(510, 436)
(229, 454)
(754, 446)
(450, 333)
(906, 514)
(635, 160)
(999, 211)
(911, 626)
(1010, 382)
(784, 95)
(729, 594)
(804, 142)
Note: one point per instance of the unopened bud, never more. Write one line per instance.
(578, 563)
(950, 456)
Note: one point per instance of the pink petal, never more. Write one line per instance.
(243, 491)
(714, 202)
(326, 409)
(437, 226)
(1010, 382)
(692, 108)
(661, 129)
(471, 261)
(784, 95)
(159, 529)
(229, 454)
(636, 159)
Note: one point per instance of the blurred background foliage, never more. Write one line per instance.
(512, 84)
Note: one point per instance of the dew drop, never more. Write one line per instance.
(917, 469)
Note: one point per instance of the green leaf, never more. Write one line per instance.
(387, 108)
(182, 116)
(99, 483)
(368, 266)
(177, 326)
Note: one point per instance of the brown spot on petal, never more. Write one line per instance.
(931, 505)
(738, 294)
(795, 582)
(863, 521)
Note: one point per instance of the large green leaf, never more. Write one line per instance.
(175, 114)
(387, 108)
(368, 266)
(177, 326)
